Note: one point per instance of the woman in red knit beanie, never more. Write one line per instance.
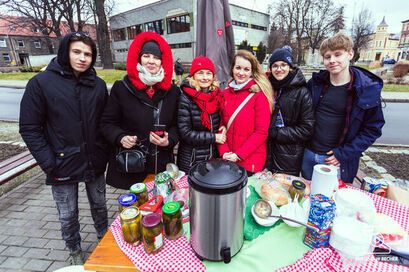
(198, 115)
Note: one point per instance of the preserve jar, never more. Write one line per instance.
(139, 189)
(131, 224)
(297, 187)
(172, 220)
(127, 200)
(152, 235)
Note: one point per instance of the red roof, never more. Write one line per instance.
(9, 25)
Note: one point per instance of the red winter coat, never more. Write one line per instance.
(247, 136)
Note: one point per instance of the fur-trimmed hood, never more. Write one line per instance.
(133, 57)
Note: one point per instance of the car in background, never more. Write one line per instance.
(388, 61)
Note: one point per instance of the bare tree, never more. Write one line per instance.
(290, 17)
(322, 19)
(361, 30)
(275, 38)
(103, 34)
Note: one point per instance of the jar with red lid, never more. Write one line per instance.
(152, 234)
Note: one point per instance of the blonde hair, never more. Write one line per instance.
(257, 73)
(339, 41)
(195, 84)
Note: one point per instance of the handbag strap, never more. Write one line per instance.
(156, 112)
(238, 110)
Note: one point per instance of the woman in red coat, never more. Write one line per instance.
(247, 132)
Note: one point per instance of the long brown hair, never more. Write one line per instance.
(257, 73)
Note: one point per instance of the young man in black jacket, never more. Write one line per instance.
(59, 117)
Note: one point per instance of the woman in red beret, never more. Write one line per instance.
(198, 115)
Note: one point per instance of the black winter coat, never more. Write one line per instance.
(197, 143)
(59, 119)
(130, 112)
(285, 146)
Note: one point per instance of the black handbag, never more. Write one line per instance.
(130, 161)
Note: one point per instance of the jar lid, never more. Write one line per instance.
(298, 184)
(127, 200)
(171, 207)
(162, 178)
(129, 213)
(151, 220)
(138, 188)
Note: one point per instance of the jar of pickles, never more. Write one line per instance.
(139, 189)
(127, 200)
(152, 235)
(172, 220)
(297, 187)
(131, 224)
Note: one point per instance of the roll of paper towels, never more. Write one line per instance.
(324, 180)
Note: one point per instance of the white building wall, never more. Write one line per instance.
(170, 8)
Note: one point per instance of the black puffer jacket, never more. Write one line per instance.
(197, 143)
(59, 119)
(285, 146)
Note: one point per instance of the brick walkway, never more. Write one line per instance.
(30, 237)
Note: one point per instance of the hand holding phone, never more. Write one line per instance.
(159, 130)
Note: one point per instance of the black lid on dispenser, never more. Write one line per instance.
(217, 177)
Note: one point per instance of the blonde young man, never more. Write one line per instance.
(348, 112)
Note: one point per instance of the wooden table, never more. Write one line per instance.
(108, 257)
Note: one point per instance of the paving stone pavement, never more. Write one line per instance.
(30, 237)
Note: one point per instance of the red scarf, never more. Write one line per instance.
(209, 103)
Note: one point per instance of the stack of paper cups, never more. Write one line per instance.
(324, 180)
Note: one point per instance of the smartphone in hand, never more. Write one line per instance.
(159, 130)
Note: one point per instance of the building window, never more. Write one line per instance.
(155, 26)
(3, 43)
(133, 31)
(237, 23)
(37, 44)
(20, 43)
(178, 24)
(180, 45)
(119, 34)
(6, 57)
(259, 27)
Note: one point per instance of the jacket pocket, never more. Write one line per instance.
(69, 163)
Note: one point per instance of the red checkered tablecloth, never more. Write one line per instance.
(176, 255)
(327, 259)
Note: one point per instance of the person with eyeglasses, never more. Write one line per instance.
(141, 112)
(59, 117)
(292, 120)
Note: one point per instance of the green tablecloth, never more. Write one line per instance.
(278, 247)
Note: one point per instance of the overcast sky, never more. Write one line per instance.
(394, 11)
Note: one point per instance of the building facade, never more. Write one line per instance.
(403, 47)
(382, 45)
(19, 43)
(175, 20)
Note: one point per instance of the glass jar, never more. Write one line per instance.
(152, 235)
(127, 200)
(172, 220)
(139, 189)
(131, 224)
(297, 187)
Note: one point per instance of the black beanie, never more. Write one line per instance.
(151, 47)
(282, 54)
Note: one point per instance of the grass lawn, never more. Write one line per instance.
(109, 75)
(16, 76)
(395, 88)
